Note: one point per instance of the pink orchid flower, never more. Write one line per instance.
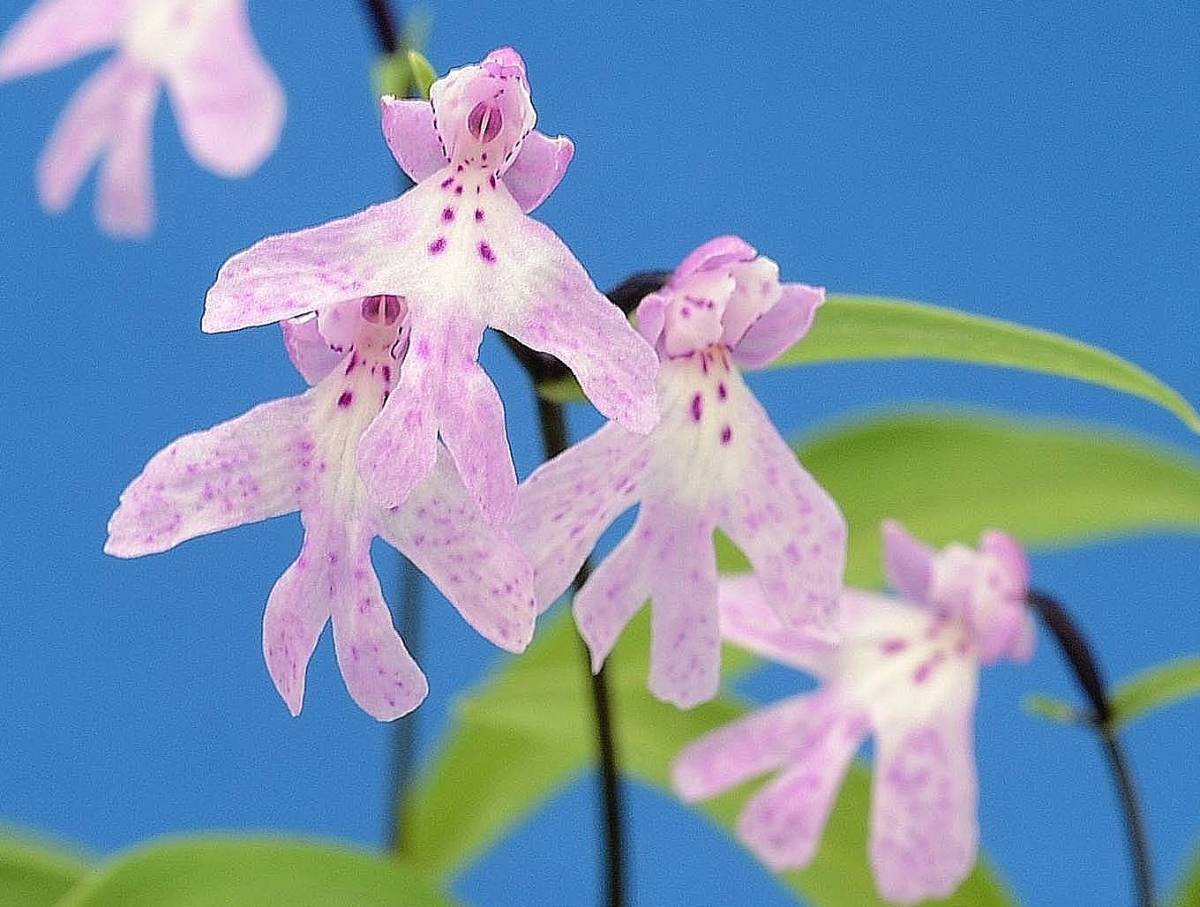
(715, 460)
(229, 104)
(299, 454)
(906, 671)
(460, 250)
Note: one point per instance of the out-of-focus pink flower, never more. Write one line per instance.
(299, 454)
(906, 672)
(229, 104)
(714, 460)
(462, 252)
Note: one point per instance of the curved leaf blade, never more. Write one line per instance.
(34, 874)
(870, 327)
(950, 475)
(253, 872)
(1156, 687)
(851, 328)
(1187, 892)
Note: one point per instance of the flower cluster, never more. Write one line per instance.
(401, 436)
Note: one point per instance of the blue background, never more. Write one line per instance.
(1029, 160)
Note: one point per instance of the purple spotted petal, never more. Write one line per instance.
(284, 276)
(748, 621)
(472, 427)
(780, 327)
(564, 506)
(685, 626)
(308, 349)
(908, 562)
(545, 299)
(475, 565)
(787, 525)
(249, 469)
(783, 822)
(398, 451)
(714, 255)
(412, 137)
(54, 32)
(229, 104)
(111, 112)
(924, 830)
(379, 673)
(292, 623)
(761, 742)
(668, 557)
(615, 591)
(538, 168)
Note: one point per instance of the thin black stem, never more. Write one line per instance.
(555, 440)
(404, 737)
(387, 34)
(1078, 652)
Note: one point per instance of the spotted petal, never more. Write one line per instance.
(784, 821)
(761, 742)
(289, 275)
(538, 168)
(542, 296)
(476, 566)
(788, 526)
(924, 826)
(251, 468)
(749, 621)
(564, 506)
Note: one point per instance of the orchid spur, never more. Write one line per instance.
(906, 671)
(229, 104)
(299, 454)
(714, 460)
(461, 252)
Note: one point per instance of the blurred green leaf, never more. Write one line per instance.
(1051, 709)
(950, 475)
(400, 73)
(253, 872)
(34, 873)
(866, 327)
(1187, 892)
(1155, 688)
(520, 737)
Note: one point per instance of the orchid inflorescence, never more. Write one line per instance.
(401, 435)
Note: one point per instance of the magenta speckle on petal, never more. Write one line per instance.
(722, 391)
(437, 246)
(726, 435)
(697, 407)
(447, 182)
(478, 215)
(345, 399)
(486, 253)
(447, 214)
(892, 646)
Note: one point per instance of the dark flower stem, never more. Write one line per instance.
(387, 34)
(555, 440)
(1075, 648)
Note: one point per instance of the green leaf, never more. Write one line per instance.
(1187, 892)
(866, 327)
(253, 872)
(1155, 688)
(526, 733)
(399, 73)
(1051, 709)
(949, 475)
(34, 874)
